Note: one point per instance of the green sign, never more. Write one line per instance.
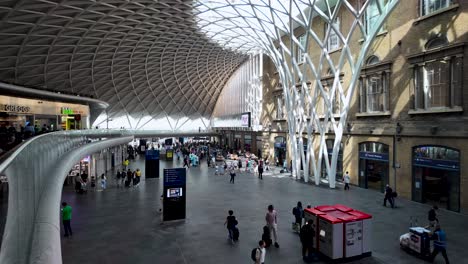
(67, 111)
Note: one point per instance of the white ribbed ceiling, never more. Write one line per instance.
(147, 58)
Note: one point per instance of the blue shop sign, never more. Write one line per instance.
(174, 177)
(280, 145)
(437, 164)
(373, 156)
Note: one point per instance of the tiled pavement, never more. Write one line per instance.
(124, 226)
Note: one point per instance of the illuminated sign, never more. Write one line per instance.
(66, 111)
(14, 108)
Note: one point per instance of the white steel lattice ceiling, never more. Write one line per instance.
(146, 58)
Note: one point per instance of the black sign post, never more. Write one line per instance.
(152, 163)
(174, 194)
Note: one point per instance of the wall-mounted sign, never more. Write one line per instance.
(373, 156)
(66, 111)
(239, 120)
(14, 108)
(245, 120)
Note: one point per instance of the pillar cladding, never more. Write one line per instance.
(301, 77)
(36, 172)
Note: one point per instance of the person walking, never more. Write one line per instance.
(388, 196)
(138, 176)
(118, 178)
(260, 170)
(432, 217)
(272, 223)
(260, 253)
(134, 179)
(231, 223)
(66, 219)
(233, 175)
(346, 180)
(440, 244)
(103, 182)
(298, 213)
(125, 164)
(307, 239)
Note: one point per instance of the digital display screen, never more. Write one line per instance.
(245, 120)
(174, 192)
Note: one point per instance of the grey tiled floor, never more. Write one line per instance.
(123, 225)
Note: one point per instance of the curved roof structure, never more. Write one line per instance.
(147, 59)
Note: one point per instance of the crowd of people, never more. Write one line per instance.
(10, 137)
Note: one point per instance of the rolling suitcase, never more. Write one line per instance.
(235, 234)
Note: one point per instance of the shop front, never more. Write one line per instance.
(45, 116)
(373, 165)
(436, 176)
(237, 141)
(280, 150)
(339, 163)
(248, 142)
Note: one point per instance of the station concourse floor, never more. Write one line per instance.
(124, 225)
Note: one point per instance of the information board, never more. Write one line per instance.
(174, 194)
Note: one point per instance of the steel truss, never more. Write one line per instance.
(271, 26)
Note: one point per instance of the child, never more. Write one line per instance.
(216, 169)
(266, 236)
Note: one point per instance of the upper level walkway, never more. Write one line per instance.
(124, 226)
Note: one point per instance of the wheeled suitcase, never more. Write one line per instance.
(235, 234)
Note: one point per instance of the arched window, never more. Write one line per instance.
(436, 42)
(372, 60)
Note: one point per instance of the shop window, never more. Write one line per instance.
(373, 86)
(436, 176)
(373, 147)
(430, 6)
(438, 80)
(333, 42)
(372, 14)
(299, 53)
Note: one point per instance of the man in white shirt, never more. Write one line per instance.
(261, 252)
(346, 180)
(272, 224)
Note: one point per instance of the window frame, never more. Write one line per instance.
(366, 19)
(333, 34)
(300, 58)
(327, 83)
(453, 54)
(424, 4)
(381, 70)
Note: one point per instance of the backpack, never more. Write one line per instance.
(253, 254)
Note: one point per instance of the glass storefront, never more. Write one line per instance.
(373, 165)
(247, 142)
(280, 150)
(436, 176)
(339, 164)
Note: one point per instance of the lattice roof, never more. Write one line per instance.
(146, 58)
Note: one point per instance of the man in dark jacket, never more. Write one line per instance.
(307, 239)
(388, 196)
